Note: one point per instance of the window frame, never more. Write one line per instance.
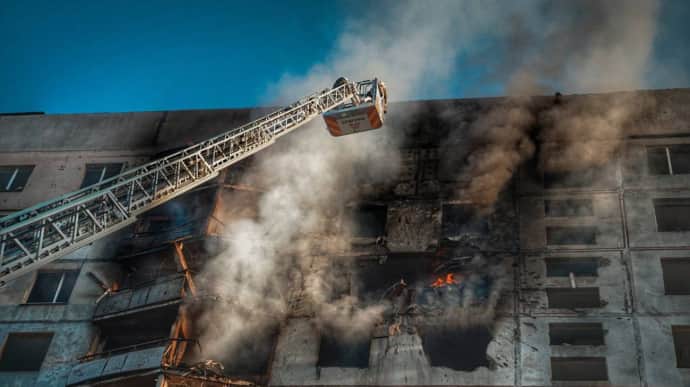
(669, 159)
(8, 187)
(104, 169)
(56, 295)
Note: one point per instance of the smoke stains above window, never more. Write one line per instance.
(96, 173)
(571, 235)
(571, 298)
(676, 273)
(369, 220)
(576, 334)
(579, 368)
(14, 178)
(562, 267)
(681, 341)
(669, 159)
(339, 351)
(52, 287)
(460, 219)
(672, 214)
(568, 208)
(24, 351)
(455, 348)
(574, 179)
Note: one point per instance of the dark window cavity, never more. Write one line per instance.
(52, 287)
(681, 341)
(669, 159)
(13, 178)
(571, 298)
(24, 351)
(580, 267)
(96, 173)
(339, 351)
(369, 220)
(579, 368)
(571, 235)
(676, 275)
(572, 179)
(576, 334)
(672, 214)
(457, 349)
(460, 219)
(568, 207)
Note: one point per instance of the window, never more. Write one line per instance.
(96, 173)
(571, 235)
(681, 340)
(369, 220)
(570, 298)
(576, 334)
(570, 179)
(338, 351)
(668, 160)
(24, 351)
(460, 219)
(676, 273)
(52, 287)
(672, 214)
(568, 207)
(578, 368)
(580, 267)
(457, 349)
(13, 178)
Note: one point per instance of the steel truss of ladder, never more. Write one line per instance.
(40, 234)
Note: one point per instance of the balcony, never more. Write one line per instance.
(159, 293)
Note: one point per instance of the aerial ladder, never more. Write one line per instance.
(45, 232)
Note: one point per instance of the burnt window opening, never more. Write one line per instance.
(571, 235)
(346, 352)
(24, 351)
(580, 267)
(676, 272)
(681, 342)
(579, 369)
(457, 219)
(568, 207)
(96, 173)
(669, 159)
(253, 354)
(457, 349)
(576, 334)
(672, 214)
(571, 298)
(369, 220)
(53, 287)
(128, 330)
(374, 279)
(13, 178)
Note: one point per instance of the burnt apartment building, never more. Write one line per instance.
(575, 278)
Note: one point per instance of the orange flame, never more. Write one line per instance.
(449, 279)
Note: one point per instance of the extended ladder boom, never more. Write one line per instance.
(37, 235)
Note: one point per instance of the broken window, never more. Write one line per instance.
(458, 349)
(580, 267)
(53, 287)
(576, 334)
(672, 214)
(570, 298)
(579, 368)
(676, 273)
(348, 352)
(96, 173)
(681, 341)
(460, 219)
(13, 178)
(369, 220)
(571, 235)
(24, 351)
(668, 159)
(568, 207)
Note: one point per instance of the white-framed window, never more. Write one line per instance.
(668, 159)
(96, 173)
(13, 178)
(52, 287)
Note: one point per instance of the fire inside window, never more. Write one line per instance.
(52, 287)
(96, 173)
(24, 351)
(13, 178)
(669, 159)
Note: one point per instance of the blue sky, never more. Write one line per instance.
(96, 56)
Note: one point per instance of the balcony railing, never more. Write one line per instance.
(160, 292)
